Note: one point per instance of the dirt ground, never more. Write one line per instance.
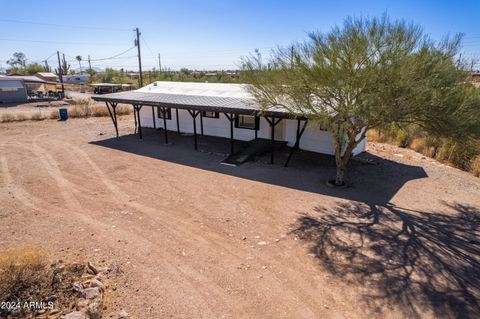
(191, 238)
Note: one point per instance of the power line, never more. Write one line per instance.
(59, 42)
(62, 25)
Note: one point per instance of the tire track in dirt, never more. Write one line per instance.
(7, 181)
(212, 240)
(76, 207)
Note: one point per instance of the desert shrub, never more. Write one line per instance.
(402, 138)
(22, 271)
(423, 146)
(475, 166)
(99, 110)
(380, 136)
(37, 117)
(458, 153)
(81, 110)
(81, 101)
(123, 109)
(54, 115)
(21, 117)
(7, 117)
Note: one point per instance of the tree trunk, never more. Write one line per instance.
(341, 160)
(339, 178)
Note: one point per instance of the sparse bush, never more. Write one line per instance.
(24, 274)
(475, 166)
(80, 110)
(123, 109)
(99, 111)
(81, 101)
(29, 275)
(402, 138)
(421, 145)
(54, 115)
(37, 117)
(7, 117)
(21, 117)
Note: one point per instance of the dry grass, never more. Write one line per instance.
(37, 117)
(27, 275)
(22, 271)
(475, 166)
(374, 135)
(8, 117)
(77, 111)
(21, 117)
(421, 145)
(81, 101)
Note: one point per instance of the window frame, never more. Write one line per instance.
(238, 125)
(160, 114)
(216, 115)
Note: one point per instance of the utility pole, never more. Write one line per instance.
(159, 62)
(60, 71)
(137, 43)
(89, 65)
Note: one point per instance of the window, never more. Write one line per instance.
(168, 113)
(209, 114)
(247, 121)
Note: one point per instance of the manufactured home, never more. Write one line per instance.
(76, 79)
(222, 110)
(12, 90)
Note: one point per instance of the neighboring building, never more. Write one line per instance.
(224, 110)
(104, 88)
(76, 79)
(12, 90)
(47, 76)
(34, 84)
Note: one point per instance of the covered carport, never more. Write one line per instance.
(196, 105)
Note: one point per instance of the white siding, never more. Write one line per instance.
(313, 139)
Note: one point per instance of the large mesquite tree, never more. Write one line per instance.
(362, 75)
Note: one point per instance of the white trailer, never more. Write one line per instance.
(314, 138)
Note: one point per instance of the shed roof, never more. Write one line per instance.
(46, 74)
(217, 97)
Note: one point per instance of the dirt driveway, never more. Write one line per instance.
(191, 238)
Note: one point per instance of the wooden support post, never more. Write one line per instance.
(153, 117)
(178, 121)
(272, 124)
(256, 127)
(164, 113)
(137, 109)
(135, 118)
(201, 123)
(297, 141)
(194, 115)
(113, 115)
(231, 118)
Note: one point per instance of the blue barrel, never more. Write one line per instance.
(63, 114)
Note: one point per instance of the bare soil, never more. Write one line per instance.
(191, 238)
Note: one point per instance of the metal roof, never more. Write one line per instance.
(29, 79)
(193, 96)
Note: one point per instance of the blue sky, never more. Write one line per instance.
(204, 34)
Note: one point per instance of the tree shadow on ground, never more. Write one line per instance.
(420, 261)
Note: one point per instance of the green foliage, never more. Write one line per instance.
(18, 60)
(112, 76)
(368, 73)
